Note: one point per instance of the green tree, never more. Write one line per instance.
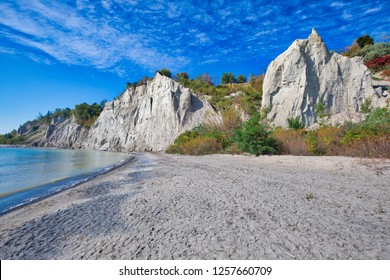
(295, 123)
(366, 106)
(183, 78)
(227, 78)
(12, 138)
(165, 72)
(102, 103)
(364, 41)
(86, 114)
(58, 112)
(322, 113)
(241, 79)
(254, 137)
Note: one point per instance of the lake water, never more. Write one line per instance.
(29, 174)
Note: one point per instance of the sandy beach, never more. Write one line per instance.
(163, 206)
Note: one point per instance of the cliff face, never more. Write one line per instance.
(144, 118)
(307, 74)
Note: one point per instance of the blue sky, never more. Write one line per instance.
(61, 53)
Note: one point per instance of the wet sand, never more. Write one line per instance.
(212, 207)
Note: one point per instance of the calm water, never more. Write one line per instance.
(28, 174)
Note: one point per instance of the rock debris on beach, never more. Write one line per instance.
(212, 207)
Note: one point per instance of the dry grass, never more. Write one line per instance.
(327, 141)
(197, 146)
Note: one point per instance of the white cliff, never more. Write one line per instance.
(307, 74)
(144, 118)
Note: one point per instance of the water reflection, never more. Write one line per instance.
(25, 168)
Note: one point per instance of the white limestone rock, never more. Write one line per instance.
(143, 118)
(307, 74)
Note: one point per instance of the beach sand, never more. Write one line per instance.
(163, 206)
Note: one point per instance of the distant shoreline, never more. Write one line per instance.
(55, 148)
(14, 146)
(78, 179)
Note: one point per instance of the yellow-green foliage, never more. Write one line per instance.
(291, 141)
(208, 139)
(197, 146)
(328, 140)
(368, 52)
(370, 138)
(249, 98)
(12, 138)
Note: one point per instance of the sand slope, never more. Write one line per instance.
(212, 207)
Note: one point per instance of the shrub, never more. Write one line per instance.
(12, 138)
(368, 52)
(328, 140)
(379, 63)
(241, 79)
(295, 123)
(165, 72)
(364, 40)
(65, 112)
(373, 146)
(323, 141)
(86, 114)
(370, 137)
(290, 141)
(249, 102)
(201, 146)
(183, 78)
(231, 120)
(322, 114)
(254, 137)
(311, 143)
(374, 51)
(197, 146)
(352, 51)
(227, 78)
(202, 87)
(366, 106)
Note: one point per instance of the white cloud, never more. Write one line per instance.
(251, 18)
(7, 50)
(261, 33)
(202, 38)
(173, 11)
(114, 35)
(346, 15)
(373, 10)
(338, 4)
(73, 38)
(12, 19)
(209, 61)
(106, 4)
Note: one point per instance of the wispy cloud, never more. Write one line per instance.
(70, 37)
(347, 15)
(338, 4)
(123, 35)
(373, 10)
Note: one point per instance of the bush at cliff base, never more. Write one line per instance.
(254, 137)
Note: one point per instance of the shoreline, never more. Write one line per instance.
(162, 206)
(79, 179)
